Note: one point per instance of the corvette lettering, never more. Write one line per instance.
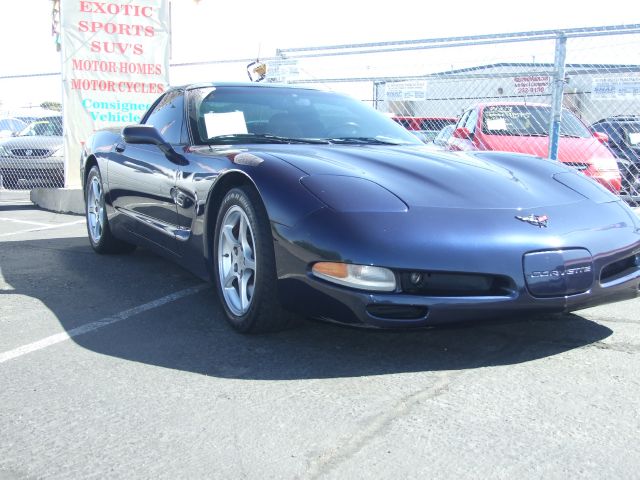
(559, 273)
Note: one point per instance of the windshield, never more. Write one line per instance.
(47, 126)
(528, 120)
(12, 124)
(239, 114)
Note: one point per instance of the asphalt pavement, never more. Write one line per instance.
(123, 367)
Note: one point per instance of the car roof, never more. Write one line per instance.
(508, 104)
(619, 119)
(240, 84)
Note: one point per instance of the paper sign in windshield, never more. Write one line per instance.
(227, 123)
(496, 124)
(634, 138)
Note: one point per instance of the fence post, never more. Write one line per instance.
(376, 94)
(556, 95)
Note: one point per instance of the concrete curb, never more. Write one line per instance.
(61, 200)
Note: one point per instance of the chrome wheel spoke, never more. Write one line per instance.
(96, 191)
(245, 294)
(249, 264)
(246, 239)
(227, 232)
(228, 279)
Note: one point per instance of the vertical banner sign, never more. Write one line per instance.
(115, 58)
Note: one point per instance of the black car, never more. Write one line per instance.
(624, 142)
(297, 200)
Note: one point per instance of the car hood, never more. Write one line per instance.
(574, 150)
(53, 142)
(423, 178)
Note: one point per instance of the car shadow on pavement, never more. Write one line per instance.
(191, 335)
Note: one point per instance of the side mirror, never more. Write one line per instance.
(462, 133)
(148, 135)
(602, 137)
(142, 134)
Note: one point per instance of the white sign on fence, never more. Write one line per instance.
(616, 88)
(115, 58)
(282, 70)
(410, 90)
(532, 84)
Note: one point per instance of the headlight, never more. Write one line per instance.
(4, 152)
(363, 277)
(353, 194)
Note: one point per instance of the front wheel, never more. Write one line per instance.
(244, 264)
(100, 236)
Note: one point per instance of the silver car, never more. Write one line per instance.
(33, 158)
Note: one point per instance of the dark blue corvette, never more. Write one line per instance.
(296, 200)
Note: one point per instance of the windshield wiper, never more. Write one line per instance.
(363, 141)
(568, 135)
(259, 138)
(518, 134)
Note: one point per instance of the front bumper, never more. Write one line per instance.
(319, 299)
(484, 249)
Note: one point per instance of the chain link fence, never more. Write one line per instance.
(31, 153)
(571, 95)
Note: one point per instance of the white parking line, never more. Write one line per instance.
(42, 228)
(26, 222)
(90, 327)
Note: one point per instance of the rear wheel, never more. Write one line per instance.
(244, 264)
(100, 236)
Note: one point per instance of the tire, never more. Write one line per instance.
(244, 264)
(100, 236)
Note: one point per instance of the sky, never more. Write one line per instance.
(214, 29)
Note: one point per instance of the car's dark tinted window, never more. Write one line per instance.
(613, 131)
(168, 116)
(528, 120)
(287, 112)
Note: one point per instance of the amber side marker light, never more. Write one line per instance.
(362, 277)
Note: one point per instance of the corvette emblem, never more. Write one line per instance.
(537, 220)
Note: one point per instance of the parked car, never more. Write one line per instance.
(297, 200)
(10, 126)
(524, 128)
(624, 141)
(425, 128)
(35, 156)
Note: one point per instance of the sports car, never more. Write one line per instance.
(295, 201)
